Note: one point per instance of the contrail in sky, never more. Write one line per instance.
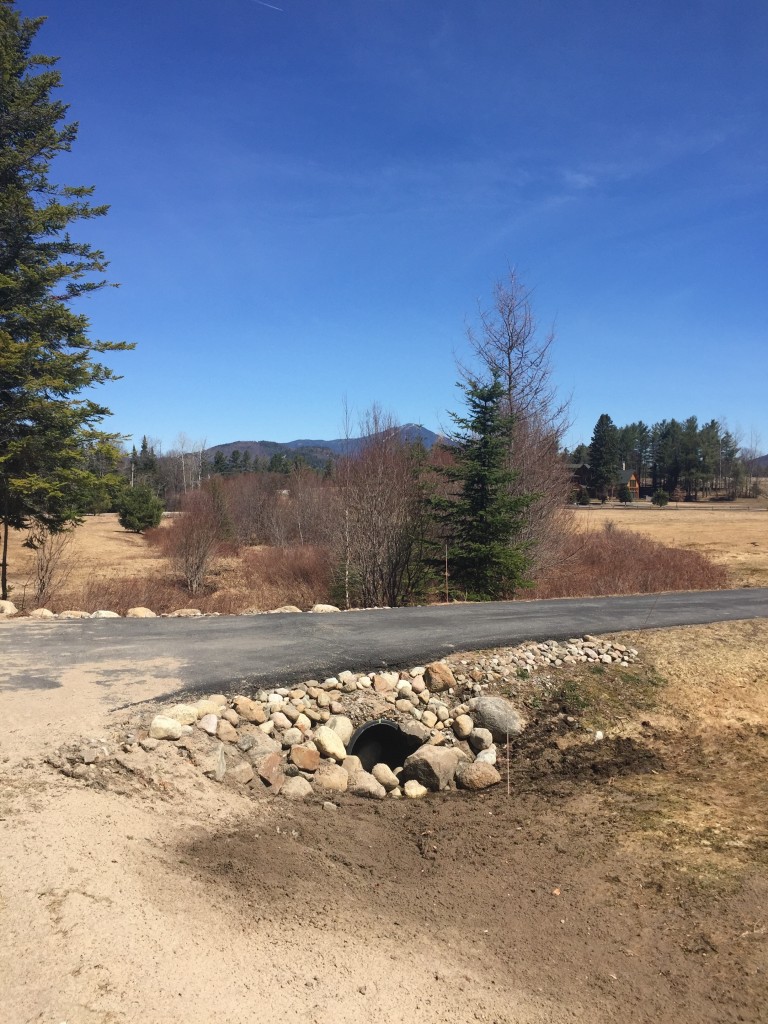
(272, 6)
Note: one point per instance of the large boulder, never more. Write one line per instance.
(305, 758)
(140, 613)
(384, 774)
(364, 784)
(438, 677)
(296, 788)
(250, 710)
(164, 728)
(479, 775)
(329, 743)
(331, 778)
(324, 608)
(186, 714)
(255, 744)
(41, 613)
(500, 716)
(7, 609)
(434, 767)
(342, 726)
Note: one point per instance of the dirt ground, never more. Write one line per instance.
(601, 881)
(735, 536)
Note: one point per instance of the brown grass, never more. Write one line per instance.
(616, 561)
(707, 810)
(733, 535)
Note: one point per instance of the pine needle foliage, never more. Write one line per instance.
(480, 520)
(48, 429)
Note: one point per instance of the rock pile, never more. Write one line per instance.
(8, 610)
(294, 740)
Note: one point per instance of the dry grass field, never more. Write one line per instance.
(735, 536)
(107, 567)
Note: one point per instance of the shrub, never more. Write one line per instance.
(616, 561)
(139, 509)
(625, 495)
(660, 498)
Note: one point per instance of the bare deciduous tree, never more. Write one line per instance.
(193, 539)
(381, 522)
(53, 562)
(508, 344)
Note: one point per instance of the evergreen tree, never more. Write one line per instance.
(139, 508)
(220, 464)
(481, 519)
(46, 357)
(604, 456)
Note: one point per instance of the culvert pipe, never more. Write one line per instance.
(382, 741)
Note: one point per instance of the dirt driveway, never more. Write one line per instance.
(622, 880)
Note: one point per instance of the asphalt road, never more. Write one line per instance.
(213, 653)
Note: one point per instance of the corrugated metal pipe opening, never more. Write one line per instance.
(382, 742)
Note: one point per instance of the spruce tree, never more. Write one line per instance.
(604, 456)
(481, 519)
(46, 356)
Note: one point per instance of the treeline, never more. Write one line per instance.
(675, 456)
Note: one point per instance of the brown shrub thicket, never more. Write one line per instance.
(615, 561)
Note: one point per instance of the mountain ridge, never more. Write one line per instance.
(317, 451)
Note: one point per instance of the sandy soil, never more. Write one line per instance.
(622, 880)
(735, 536)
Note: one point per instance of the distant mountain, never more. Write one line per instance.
(762, 462)
(317, 452)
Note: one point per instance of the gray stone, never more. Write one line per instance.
(500, 716)
(342, 726)
(41, 613)
(487, 756)
(364, 784)
(8, 609)
(434, 767)
(292, 737)
(324, 608)
(102, 614)
(140, 613)
(329, 805)
(297, 788)
(415, 729)
(480, 739)
(256, 743)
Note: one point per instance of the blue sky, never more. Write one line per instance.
(309, 203)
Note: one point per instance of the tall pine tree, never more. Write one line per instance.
(46, 357)
(604, 456)
(481, 519)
